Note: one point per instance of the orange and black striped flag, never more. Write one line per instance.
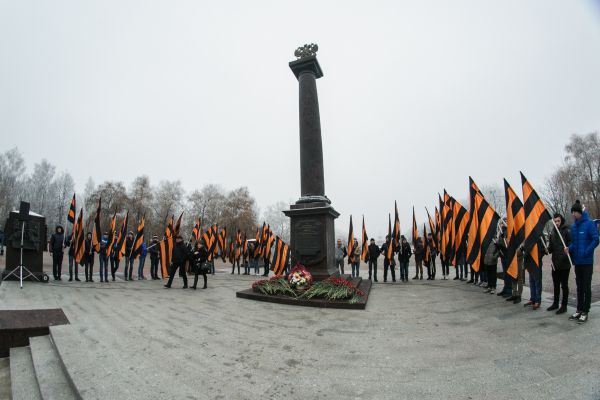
(223, 243)
(268, 245)
(426, 249)
(432, 229)
(139, 238)
(482, 230)
(396, 233)
(245, 247)
(515, 228)
(197, 230)
(257, 243)
(415, 230)
(461, 220)
(389, 250)
(536, 218)
(72, 210)
(79, 236)
(438, 227)
(121, 239)
(231, 252)
(350, 246)
(112, 237)
(177, 226)
(365, 242)
(280, 258)
(447, 228)
(166, 248)
(97, 231)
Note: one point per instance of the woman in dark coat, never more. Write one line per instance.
(199, 257)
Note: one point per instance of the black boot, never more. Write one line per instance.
(562, 309)
(553, 307)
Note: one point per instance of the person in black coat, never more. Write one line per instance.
(128, 256)
(404, 253)
(154, 250)
(391, 262)
(373, 254)
(419, 253)
(561, 266)
(199, 257)
(72, 262)
(88, 258)
(57, 241)
(180, 255)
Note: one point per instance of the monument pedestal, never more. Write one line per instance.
(312, 237)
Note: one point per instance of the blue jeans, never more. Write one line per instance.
(255, 265)
(355, 267)
(103, 267)
(141, 266)
(212, 267)
(535, 286)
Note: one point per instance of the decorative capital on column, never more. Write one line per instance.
(306, 64)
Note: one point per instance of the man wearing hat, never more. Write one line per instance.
(584, 239)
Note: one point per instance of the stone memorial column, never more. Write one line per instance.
(312, 232)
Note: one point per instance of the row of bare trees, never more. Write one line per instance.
(577, 178)
(50, 194)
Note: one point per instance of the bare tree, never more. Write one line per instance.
(583, 153)
(140, 196)
(239, 211)
(278, 221)
(207, 204)
(494, 194)
(12, 177)
(65, 187)
(39, 187)
(167, 201)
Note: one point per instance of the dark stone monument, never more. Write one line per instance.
(312, 233)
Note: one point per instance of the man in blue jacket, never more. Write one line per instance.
(584, 239)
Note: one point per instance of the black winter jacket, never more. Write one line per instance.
(556, 248)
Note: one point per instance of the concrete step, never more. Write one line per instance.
(53, 381)
(23, 381)
(4, 378)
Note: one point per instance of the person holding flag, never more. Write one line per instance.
(355, 258)
(374, 252)
(584, 236)
(561, 265)
(387, 249)
(419, 253)
(88, 258)
(103, 258)
(154, 250)
(404, 254)
(128, 256)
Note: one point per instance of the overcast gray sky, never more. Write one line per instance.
(417, 95)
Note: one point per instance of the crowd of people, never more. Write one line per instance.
(567, 245)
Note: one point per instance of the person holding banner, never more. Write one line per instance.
(128, 256)
(154, 250)
(404, 253)
(561, 266)
(180, 255)
(103, 258)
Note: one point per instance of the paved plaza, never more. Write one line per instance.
(438, 340)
